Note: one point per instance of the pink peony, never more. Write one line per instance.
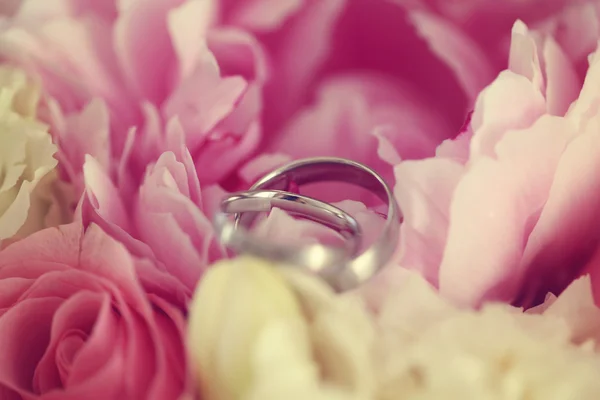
(76, 324)
(93, 56)
(508, 210)
(365, 79)
(140, 127)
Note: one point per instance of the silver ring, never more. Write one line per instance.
(320, 259)
(361, 268)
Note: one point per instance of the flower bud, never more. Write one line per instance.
(234, 303)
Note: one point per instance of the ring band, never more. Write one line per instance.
(319, 258)
(328, 169)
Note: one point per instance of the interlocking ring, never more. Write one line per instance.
(341, 268)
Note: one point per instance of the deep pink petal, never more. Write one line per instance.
(24, 336)
(77, 314)
(468, 62)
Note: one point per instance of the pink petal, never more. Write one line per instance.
(562, 81)
(524, 59)
(224, 152)
(510, 102)
(568, 223)
(351, 118)
(84, 133)
(103, 195)
(424, 191)
(171, 373)
(146, 75)
(46, 250)
(104, 257)
(188, 26)
(34, 10)
(99, 365)
(83, 58)
(76, 314)
(24, 335)
(262, 165)
(575, 28)
(493, 210)
(472, 68)
(200, 114)
(167, 218)
(262, 15)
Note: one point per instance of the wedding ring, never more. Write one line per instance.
(345, 273)
(319, 258)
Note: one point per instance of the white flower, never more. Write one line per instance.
(26, 158)
(430, 350)
(262, 332)
(258, 331)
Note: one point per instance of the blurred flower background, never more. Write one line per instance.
(125, 122)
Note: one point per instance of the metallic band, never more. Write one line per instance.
(342, 273)
(318, 258)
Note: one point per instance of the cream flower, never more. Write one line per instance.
(258, 334)
(28, 192)
(262, 332)
(430, 350)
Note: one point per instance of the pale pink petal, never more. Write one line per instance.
(424, 192)
(61, 253)
(493, 210)
(524, 58)
(188, 26)
(85, 133)
(510, 102)
(104, 195)
(83, 46)
(566, 234)
(32, 10)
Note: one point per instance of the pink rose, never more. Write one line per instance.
(76, 324)
(508, 210)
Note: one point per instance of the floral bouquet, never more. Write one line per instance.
(124, 123)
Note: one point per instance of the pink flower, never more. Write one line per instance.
(508, 210)
(365, 79)
(488, 23)
(140, 127)
(94, 60)
(167, 219)
(75, 322)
